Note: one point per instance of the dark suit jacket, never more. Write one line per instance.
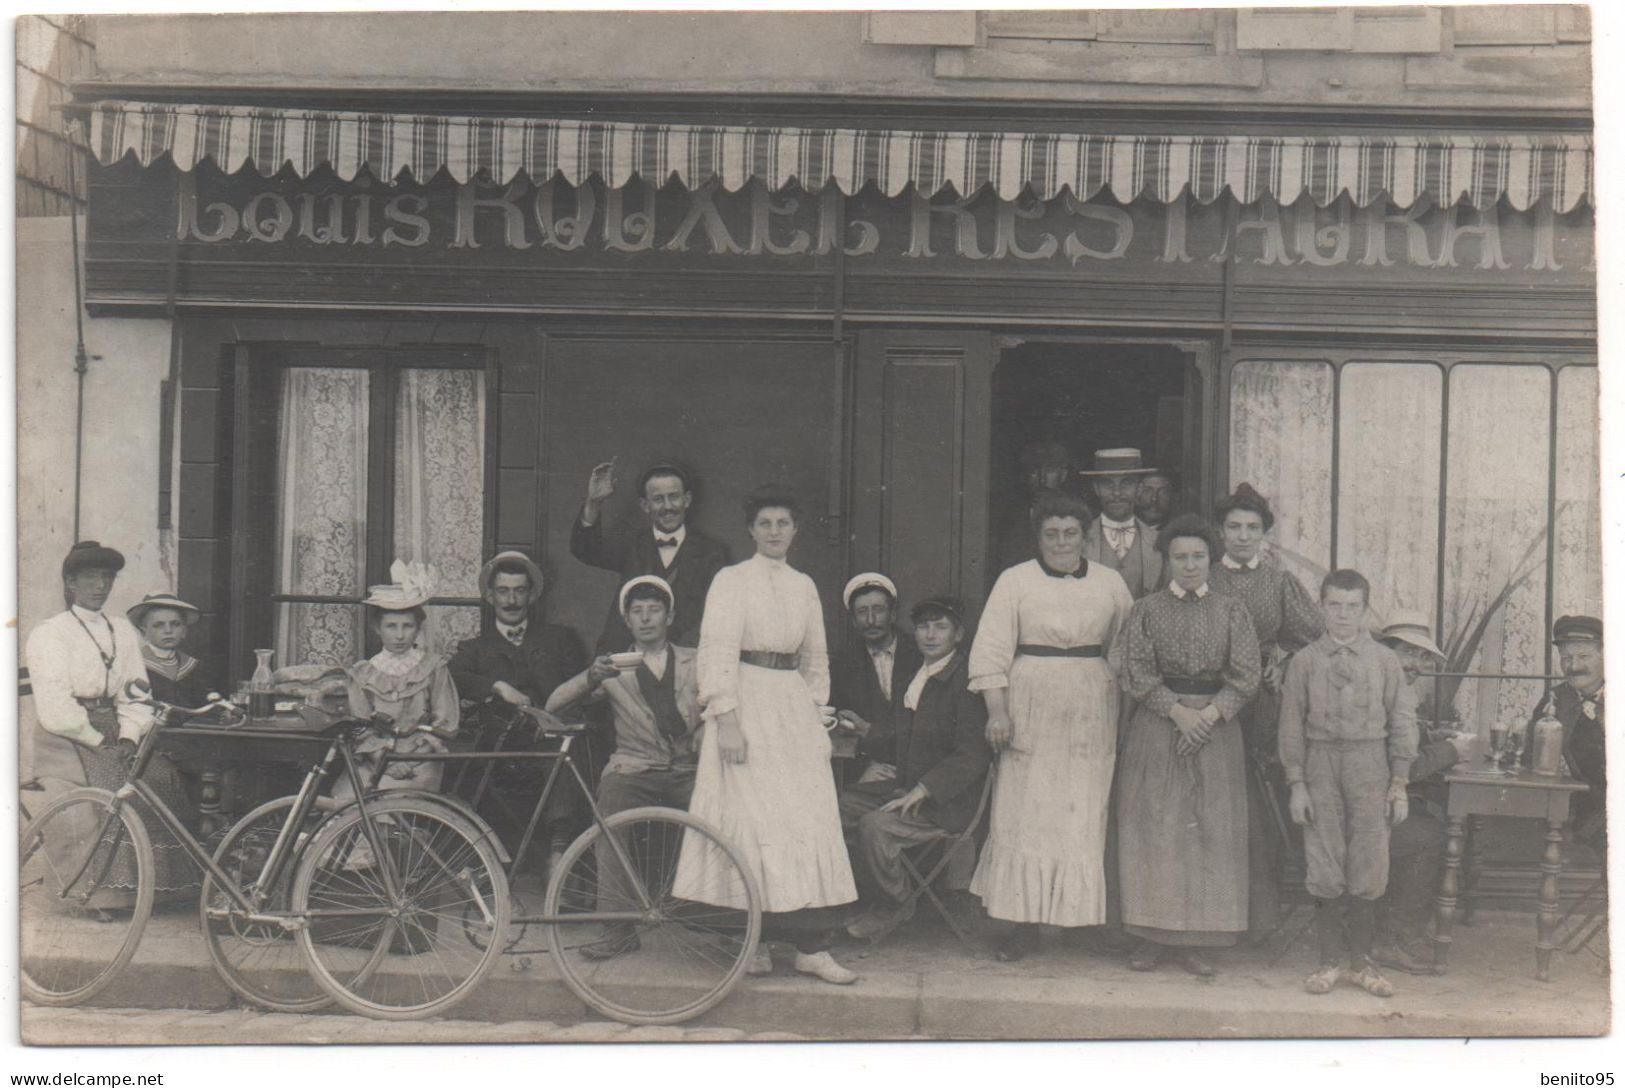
(550, 655)
(855, 687)
(631, 552)
(1585, 753)
(944, 745)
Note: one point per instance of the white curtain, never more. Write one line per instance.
(1579, 520)
(440, 488)
(1388, 495)
(1281, 443)
(1495, 533)
(321, 534)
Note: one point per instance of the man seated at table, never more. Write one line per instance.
(941, 756)
(1577, 702)
(517, 662)
(656, 709)
(866, 682)
(1416, 846)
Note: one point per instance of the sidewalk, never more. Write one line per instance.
(922, 982)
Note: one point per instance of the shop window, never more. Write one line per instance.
(1281, 443)
(372, 460)
(1388, 488)
(1496, 535)
(1578, 533)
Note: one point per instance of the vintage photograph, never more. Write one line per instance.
(616, 526)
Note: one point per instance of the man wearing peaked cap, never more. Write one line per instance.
(867, 681)
(1578, 703)
(666, 546)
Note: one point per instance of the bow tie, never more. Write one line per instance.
(665, 541)
(1120, 537)
(515, 635)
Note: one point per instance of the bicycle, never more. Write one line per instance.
(680, 958)
(86, 871)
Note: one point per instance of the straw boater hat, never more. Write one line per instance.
(413, 586)
(488, 572)
(1125, 461)
(870, 580)
(649, 580)
(1409, 625)
(138, 613)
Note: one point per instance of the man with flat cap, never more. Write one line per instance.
(669, 548)
(517, 661)
(79, 662)
(1578, 703)
(1118, 539)
(867, 681)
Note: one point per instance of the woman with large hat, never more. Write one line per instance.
(79, 663)
(1286, 619)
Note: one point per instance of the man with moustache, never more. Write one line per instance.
(517, 661)
(866, 683)
(1578, 703)
(669, 548)
(1118, 539)
(1155, 500)
(1045, 466)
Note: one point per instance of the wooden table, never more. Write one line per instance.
(1474, 793)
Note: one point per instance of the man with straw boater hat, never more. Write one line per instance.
(1118, 539)
(517, 661)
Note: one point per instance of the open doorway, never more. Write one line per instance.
(1086, 397)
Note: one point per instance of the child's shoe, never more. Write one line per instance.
(1369, 979)
(1324, 980)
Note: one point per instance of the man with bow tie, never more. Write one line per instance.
(668, 548)
(1118, 539)
(1578, 703)
(516, 662)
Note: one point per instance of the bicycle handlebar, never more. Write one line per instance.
(138, 691)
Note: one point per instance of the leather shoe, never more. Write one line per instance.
(1145, 957)
(1022, 940)
(617, 942)
(1197, 964)
(1394, 954)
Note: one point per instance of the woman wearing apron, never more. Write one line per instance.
(79, 662)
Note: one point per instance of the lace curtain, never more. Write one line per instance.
(440, 488)
(1495, 534)
(1579, 518)
(1388, 497)
(1281, 443)
(321, 513)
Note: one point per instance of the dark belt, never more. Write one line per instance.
(764, 660)
(1191, 685)
(1027, 649)
(101, 702)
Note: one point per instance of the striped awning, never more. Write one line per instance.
(1524, 169)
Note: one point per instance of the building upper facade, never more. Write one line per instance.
(1486, 61)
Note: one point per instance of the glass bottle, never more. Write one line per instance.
(1548, 743)
(262, 687)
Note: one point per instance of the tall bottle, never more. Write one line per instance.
(1547, 738)
(262, 687)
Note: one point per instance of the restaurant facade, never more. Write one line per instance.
(406, 322)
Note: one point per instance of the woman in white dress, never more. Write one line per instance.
(764, 778)
(1039, 660)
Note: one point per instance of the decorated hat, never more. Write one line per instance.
(1577, 629)
(951, 606)
(488, 572)
(138, 612)
(869, 580)
(1410, 626)
(1124, 461)
(414, 584)
(90, 555)
(649, 580)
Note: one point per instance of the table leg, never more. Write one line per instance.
(1469, 873)
(210, 809)
(1551, 867)
(1445, 913)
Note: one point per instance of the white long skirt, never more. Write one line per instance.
(778, 807)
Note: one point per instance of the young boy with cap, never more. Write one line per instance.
(1347, 739)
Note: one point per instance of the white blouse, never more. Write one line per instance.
(65, 663)
(1030, 606)
(761, 604)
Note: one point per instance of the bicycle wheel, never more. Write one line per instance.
(261, 962)
(681, 957)
(86, 875)
(405, 956)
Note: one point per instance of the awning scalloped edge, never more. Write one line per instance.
(1524, 169)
